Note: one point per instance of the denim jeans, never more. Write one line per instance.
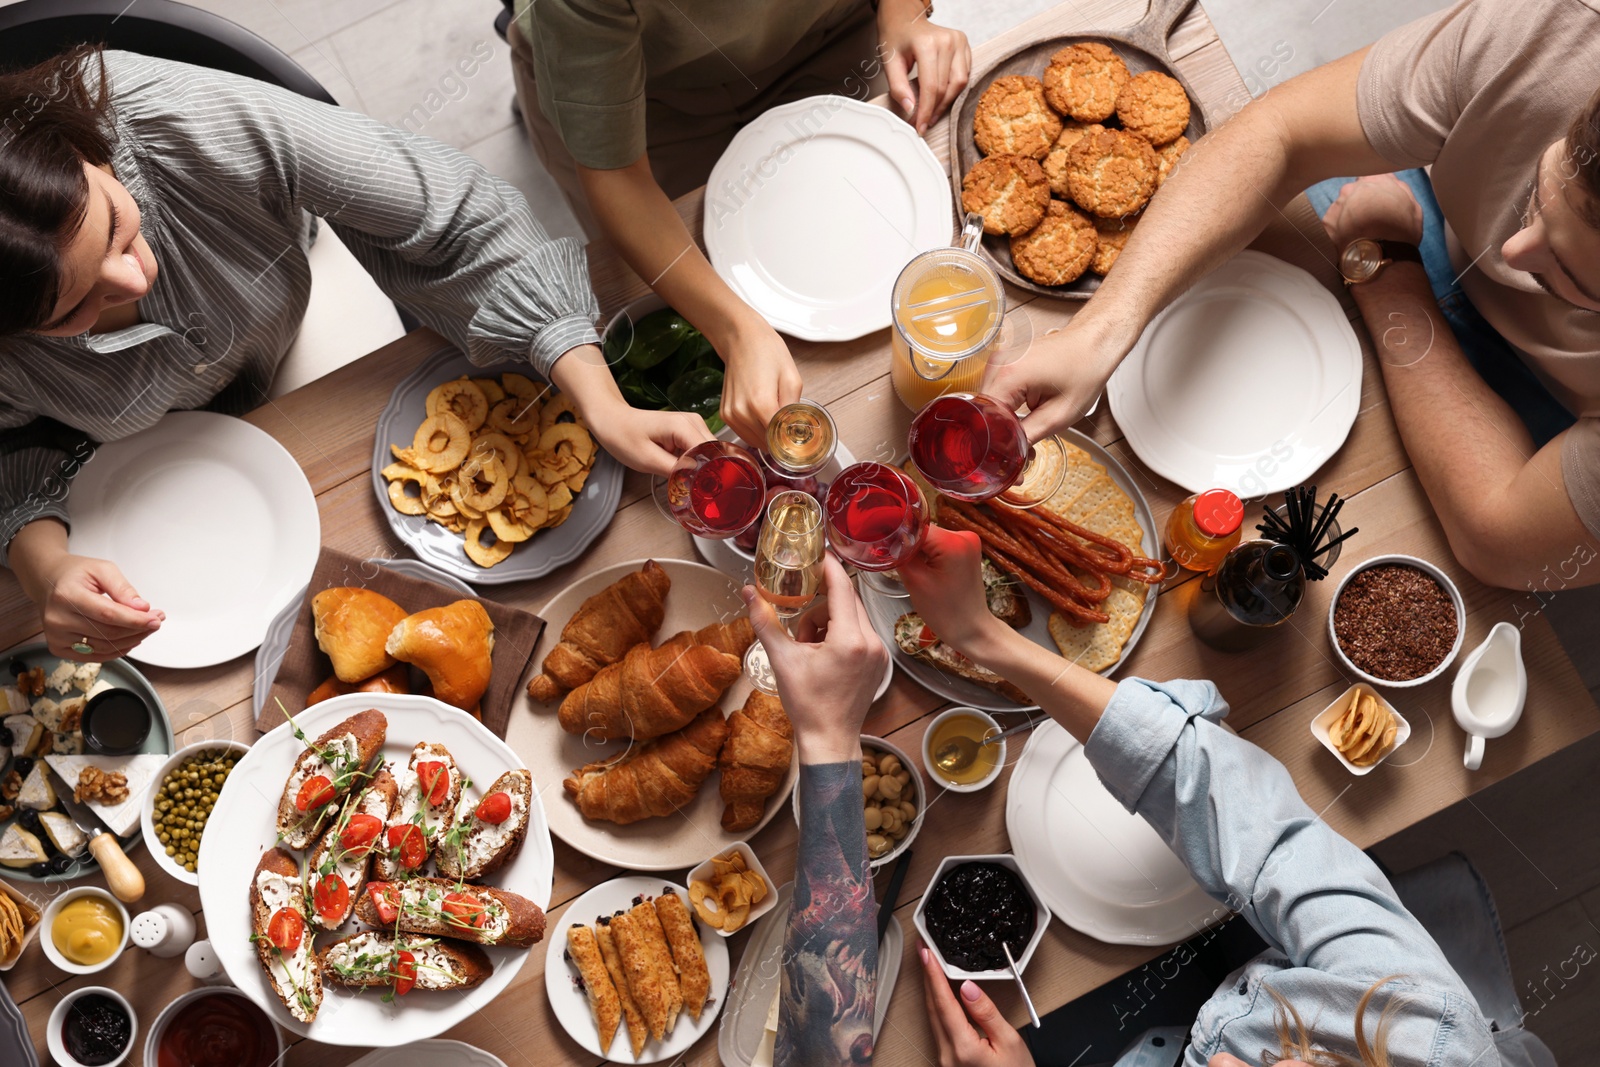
(1495, 360)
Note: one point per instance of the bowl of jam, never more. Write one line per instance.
(976, 905)
(215, 1026)
(91, 1027)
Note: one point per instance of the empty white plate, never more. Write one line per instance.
(1249, 381)
(816, 206)
(211, 520)
(1100, 870)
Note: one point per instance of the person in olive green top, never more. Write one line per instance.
(631, 102)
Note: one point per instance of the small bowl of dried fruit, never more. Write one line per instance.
(731, 890)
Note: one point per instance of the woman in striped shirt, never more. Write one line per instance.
(154, 222)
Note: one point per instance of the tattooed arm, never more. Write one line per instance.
(826, 677)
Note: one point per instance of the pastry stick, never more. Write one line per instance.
(648, 923)
(693, 978)
(584, 953)
(638, 1029)
(644, 979)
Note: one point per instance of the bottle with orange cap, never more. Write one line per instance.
(1203, 529)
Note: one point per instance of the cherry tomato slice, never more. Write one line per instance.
(495, 808)
(359, 833)
(435, 779)
(412, 844)
(285, 929)
(927, 638)
(331, 897)
(465, 910)
(405, 972)
(314, 793)
(385, 901)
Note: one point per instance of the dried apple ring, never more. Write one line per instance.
(699, 893)
(514, 415)
(441, 443)
(557, 406)
(461, 398)
(491, 390)
(461, 504)
(503, 447)
(404, 503)
(573, 436)
(508, 528)
(484, 482)
(481, 554)
(520, 385)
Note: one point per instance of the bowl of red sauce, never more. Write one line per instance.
(213, 1027)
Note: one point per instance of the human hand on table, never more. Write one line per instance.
(1058, 378)
(945, 580)
(81, 598)
(828, 671)
(759, 377)
(942, 56)
(970, 1032)
(1377, 206)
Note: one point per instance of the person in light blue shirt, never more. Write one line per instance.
(1350, 978)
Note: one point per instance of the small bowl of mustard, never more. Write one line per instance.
(84, 930)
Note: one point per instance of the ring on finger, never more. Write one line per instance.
(82, 646)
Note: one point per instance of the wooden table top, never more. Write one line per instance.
(328, 427)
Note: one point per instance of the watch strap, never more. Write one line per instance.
(1400, 251)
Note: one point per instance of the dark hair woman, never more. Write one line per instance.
(154, 221)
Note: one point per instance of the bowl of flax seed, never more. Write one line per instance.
(1397, 621)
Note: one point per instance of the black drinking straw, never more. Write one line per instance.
(1301, 526)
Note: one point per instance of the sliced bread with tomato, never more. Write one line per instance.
(914, 637)
(328, 769)
(282, 937)
(337, 868)
(404, 963)
(430, 789)
(489, 833)
(439, 907)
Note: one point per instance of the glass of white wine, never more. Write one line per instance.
(801, 437)
(788, 569)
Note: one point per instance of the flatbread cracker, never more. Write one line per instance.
(1098, 646)
(1093, 496)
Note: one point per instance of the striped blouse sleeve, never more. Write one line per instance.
(34, 472)
(442, 237)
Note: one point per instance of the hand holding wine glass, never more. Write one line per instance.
(788, 568)
(715, 490)
(973, 448)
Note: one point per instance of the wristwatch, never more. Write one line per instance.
(1364, 259)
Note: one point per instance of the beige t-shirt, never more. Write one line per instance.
(597, 61)
(1478, 91)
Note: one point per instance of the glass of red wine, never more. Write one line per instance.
(876, 518)
(715, 490)
(973, 448)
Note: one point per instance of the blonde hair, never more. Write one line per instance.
(1294, 1037)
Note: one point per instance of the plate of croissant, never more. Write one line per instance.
(638, 704)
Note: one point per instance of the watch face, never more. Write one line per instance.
(1360, 260)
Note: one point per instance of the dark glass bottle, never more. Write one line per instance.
(1257, 587)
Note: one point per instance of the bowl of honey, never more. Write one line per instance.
(954, 753)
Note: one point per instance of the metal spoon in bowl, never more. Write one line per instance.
(957, 754)
(1032, 1014)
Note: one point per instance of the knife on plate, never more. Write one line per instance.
(126, 883)
(891, 895)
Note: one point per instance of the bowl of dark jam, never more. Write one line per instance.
(976, 905)
(91, 1027)
(214, 1026)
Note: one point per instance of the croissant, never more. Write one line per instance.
(734, 638)
(653, 691)
(452, 645)
(602, 630)
(655, 778)
(755, 760)
(351, 625)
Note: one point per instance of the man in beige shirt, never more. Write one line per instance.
(1498, 98)
(631, 102)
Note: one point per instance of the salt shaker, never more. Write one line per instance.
(202, 962)
(165, 930)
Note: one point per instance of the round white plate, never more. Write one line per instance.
(445, 551)
(700, 596)
(439, 1052)
(269, 657)
(883, 609)
(212, 521)
(571, 1004)
(816, 206)
(1249, 381)
(1100, 870)
(248, 805)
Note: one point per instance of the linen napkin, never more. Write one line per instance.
(305, 666)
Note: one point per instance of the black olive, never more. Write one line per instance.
(22, 765)
(29, 820)
(61, 864)
(40, 870)
(18, 667)
(6, 737)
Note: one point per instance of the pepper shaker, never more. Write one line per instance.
(165, 930)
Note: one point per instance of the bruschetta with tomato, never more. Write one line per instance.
(282, 937)
(430, 789)
(326, 772)
(403, 963)
(439, 907)
(488, 834)
(337, 868)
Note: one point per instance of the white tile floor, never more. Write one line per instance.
(398, 61)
